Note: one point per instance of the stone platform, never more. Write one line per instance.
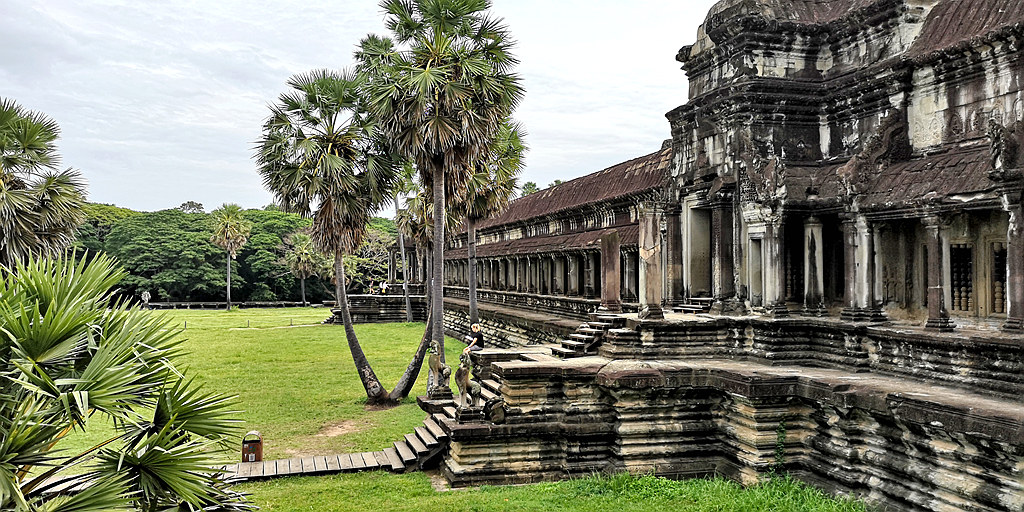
(907, 420)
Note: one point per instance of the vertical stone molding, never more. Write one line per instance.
(650, 246)
(814, 272)
(610, 255)
(1014, 263)
(850, 312)
(775, 283)
(723, 278)
(938, 315)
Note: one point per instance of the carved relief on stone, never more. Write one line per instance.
(890, 144)
(1003, 147)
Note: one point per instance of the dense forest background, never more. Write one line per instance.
(169, 254)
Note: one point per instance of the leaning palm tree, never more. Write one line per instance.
(441, 97)
(70, 351)
(40, 207)
(406, 185)
(230, 232)
(489, 190)
(322, 157)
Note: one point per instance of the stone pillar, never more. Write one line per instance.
(814, 271)
(574, 275)
(673, 258)
(872, 285)
(938, 316)
(589, 289)
(610, 249)
(650, 246)
(1014, 264)
(774, 268)
(723, 278)
(850, 312)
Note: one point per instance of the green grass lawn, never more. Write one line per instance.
(296, 384)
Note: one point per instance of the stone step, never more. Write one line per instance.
(592, 332)
(582, 337)
(563, 352)
(603, 326)
(416, 445)
(486, 394)
(491, 384)
(394, 460)
(428, 440)
(404, 452)
(573, 344)
(449, 411)
(435, 429)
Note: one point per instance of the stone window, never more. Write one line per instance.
(999, 277)
(961, 274)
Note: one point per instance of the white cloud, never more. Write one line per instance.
(160, 102)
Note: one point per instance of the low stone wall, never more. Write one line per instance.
(369, 309)
(989, 364)
(577, 308)
(902, 445)
(506, 328)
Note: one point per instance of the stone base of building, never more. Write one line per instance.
(851, 409)
(370, 309)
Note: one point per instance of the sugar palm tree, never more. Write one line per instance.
(230, 232)
(489, 190)
(441, 96)
(322, 157)
(302, 259)
(406, 185)
(71, 352)
(40, 207)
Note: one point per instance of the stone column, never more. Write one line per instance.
(938, 316)
(774, 261)
(814, 272)
(1014, 264)
(650, 246)
(574, 275)
(723, 278)
(850, 312)
(610, 248)
(673, 258)
(872, 286)
(588, 275)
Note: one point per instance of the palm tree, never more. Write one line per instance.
(71, 352)
(322, 157)
(489, 191)
(230, 232)
(441, 98)
(406, 185)
(303, 260)
(40, 207)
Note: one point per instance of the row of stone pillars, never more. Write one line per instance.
(572, 274)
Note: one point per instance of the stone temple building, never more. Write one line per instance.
(821, 270)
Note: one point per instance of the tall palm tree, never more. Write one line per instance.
(40, 207)
(303, 260)
(406, 185)
(322, 157)
(441, 97)
(489, 190)
(70, 352)
(230, 232)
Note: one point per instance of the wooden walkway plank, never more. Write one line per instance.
(428, 440)
(370, 461)
(333, 463)
(294, 466)
(307, 465)
(269, 468)
(405, 452)
(382, 460)
(394, 460)
(346, 462)
(357, 461)
(243, 471)
(416, 444)
(435, 429)
(320, 463)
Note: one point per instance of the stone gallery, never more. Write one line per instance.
(821, 272)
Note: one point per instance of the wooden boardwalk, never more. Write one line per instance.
(410, 453)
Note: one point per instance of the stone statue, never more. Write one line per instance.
(1003, 149)
(437, 379)
(469, 390)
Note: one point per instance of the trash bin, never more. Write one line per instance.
(252, 447)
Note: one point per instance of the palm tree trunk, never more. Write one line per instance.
(405, 270)
(302, 285)
(471, 235)
(437, 265)
(375, 392)
(229, 282)
(412, 372)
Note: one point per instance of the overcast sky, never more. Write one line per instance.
(160, 102)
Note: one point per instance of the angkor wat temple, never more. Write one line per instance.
(822, 271)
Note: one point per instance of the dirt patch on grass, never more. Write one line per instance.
(340, 428)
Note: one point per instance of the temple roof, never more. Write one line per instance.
(804, 12)
(952, 22)
(628, 236)
(630, 177)
(960, 172)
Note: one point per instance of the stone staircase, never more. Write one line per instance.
(413, 452)
(696, 305)
(588, 336)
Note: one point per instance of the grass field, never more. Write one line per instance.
(296, 384)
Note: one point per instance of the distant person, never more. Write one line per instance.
(475, 339)
(145, 299)
(383, 287)
(373, 287)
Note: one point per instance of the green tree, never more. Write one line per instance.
(529, 188)
(99, 220)
(489, 190)
(192, 207)
(554, 183)
(40, 207)
(303, 260)
(323, 158)
(230, 232)
(441, 98)
(69, 352)
(168, 253)
(264, 272)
